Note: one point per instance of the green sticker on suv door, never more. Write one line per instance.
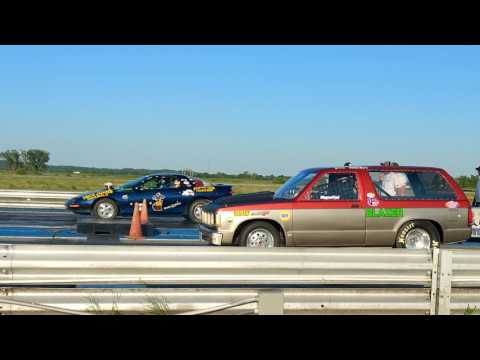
(374, 212)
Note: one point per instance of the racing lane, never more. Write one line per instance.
(59, 226)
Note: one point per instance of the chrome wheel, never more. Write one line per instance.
(418, 239)
(260, 238)
(197, 212)
(105, 210)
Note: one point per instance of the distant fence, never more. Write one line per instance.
(238, 280)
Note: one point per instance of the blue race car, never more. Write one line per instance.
(166, 195)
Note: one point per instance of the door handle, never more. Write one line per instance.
(355, 205)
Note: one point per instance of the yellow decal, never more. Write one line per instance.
(241, 213)
(284, 215)
(158, 205)
(204, 189)
(97, 195)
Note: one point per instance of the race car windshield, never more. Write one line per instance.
(295, 185)
(129, 184)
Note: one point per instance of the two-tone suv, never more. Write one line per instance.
(412, 207)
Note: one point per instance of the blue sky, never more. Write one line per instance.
(268, 109)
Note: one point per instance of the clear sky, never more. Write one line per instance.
(267, 109)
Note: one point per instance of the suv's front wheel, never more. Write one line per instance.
(260, 234)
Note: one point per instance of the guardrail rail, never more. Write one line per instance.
(203, 280)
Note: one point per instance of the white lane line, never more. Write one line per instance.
(67, 228)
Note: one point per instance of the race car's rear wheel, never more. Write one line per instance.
(105, 209)
(195, 210)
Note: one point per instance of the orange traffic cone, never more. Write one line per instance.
(136, 227)
(144, 213)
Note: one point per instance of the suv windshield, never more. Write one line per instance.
(295, 185)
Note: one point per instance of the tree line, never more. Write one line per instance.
(467, 182)
(34, 160)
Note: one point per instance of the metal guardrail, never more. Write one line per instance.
(34, 194)
(228, 301)
(305, 280)
(34, 199)
(91, 264)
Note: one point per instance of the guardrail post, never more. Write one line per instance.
(444, 282)
(270, 302)
(433, 285)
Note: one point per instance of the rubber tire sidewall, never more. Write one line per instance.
(277, 239)
(95, 207)
(417, 224)
(191, 216)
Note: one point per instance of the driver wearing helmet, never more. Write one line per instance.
(176, 184)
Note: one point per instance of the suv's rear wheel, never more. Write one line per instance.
(417, 235)
(260, 234)
(105, 209)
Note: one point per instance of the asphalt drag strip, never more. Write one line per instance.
(47, 226)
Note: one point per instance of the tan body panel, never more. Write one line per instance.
(329, 227)
(350, 227)
(232, 222)
(382, 231)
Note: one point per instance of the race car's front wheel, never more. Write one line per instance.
(195, 210)
(105, 209)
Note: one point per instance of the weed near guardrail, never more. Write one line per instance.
(156, 306)
(471, 311)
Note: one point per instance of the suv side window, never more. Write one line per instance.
(416, 185)
(335, 186)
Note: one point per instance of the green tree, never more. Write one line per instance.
(13, 159)
(35, 159)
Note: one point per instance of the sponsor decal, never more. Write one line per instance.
(330, 197)
(241, 212)
(260, 212)
(97, 195)
(284, 215)
(188, 192)
(174, 205)
(125, 197)
(158, 202)
(393, 212)
(451, 204)
(204, 189)
(372, 200)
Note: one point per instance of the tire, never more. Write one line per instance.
(194, 210)
(260, 234)
(417, 234)
(105, 209)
